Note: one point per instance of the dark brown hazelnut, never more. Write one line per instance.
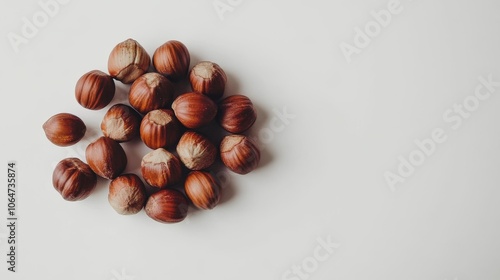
(128, 61)
(196, 151)
(172, 60)
(194, 110)
(236, 113)
(209, 79)
(167, 206)
(160, 168)
(202, 189)
(64, 129)
(239, 153)
(121, 123)
(160, 129)
(151, 91)
(95, 90)
(127, 194)
(106, 157)
(73, 179)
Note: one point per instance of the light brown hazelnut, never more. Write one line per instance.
(209, 79)
(64, 129)
(196, 151)
(73, 179)
(127, 194)
(151, 91)
(236, 113)
(121, 123)
(160, 168)
(128, 61)
(194, 110)
(239, 153)
(160, 129)
(202, 189)
(95, 90)
(106, 157)
(167, 206)
(172, 60)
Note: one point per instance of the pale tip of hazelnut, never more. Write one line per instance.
(204, 70)
(158, 156)
(159, 117)
(117, 129)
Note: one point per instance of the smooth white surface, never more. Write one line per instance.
(322, 174)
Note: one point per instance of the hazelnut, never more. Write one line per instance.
(172, 60)
(194, 110)
(202, 189)
(159, 129)
(64, 129)
(167, 206)
(128, 61)
(121, 123)
(149, 92)
(161, 168)
(208, 78)
(196, 151)
(239, 153)
(127, 194)
(73, 179)
(106, 157)
(236, 113)
(95, 90)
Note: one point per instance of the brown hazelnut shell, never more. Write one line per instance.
(149, 92)
(121, 123)
(194, 110)
(209, 79)
(196, 151)
(95, 90)
(160, 129)
(127, 194)
(160, 168)
(236, 113)
(128, 61)
(167, 206)
(172, 60)
(202, 189)
(73, 179)
(106, 157)
(239, 153)
(64, 129)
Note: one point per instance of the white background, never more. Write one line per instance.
(322, 174)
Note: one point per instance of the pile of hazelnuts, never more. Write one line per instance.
(169, 125)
